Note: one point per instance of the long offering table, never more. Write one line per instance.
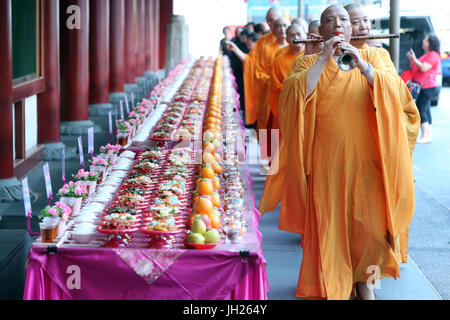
(150, 266)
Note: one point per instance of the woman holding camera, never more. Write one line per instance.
(425, 70)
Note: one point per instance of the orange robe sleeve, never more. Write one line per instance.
(280, 70)
(262, 81)
(248, 75)
(250, 87)
(290, 168)
(398, 123)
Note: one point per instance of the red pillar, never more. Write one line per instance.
(156, 35)
(117, 46)
(148, 34)
(99, 52)
(74, 63)
(165, 12)
(49, 101)
(140, 47)
(6, 101)
(130, 42)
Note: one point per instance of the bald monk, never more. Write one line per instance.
(361, 24)
(252, 87)
(345, 176)
(301, 22)
(264, 71)
(280, 67)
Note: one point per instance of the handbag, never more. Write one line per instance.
(414, 87)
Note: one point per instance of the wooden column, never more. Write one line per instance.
(117, 46)
(130, 42)
(165, 12)
(99, 51)
(49, 101)
(74, 63)
(140, 46)
(148, 35)
(156, 35)
(6, 100)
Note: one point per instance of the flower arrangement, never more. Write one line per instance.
(110, 148)
(98, 162)
(123, 125)
(58, 210)
(71, 189)
(86, 175)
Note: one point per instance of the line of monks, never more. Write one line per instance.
(343, 168)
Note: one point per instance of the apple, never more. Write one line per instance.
(194, 237)
(198, 226)
(212, 236)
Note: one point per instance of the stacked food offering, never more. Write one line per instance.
(182, 188)
(172, 204)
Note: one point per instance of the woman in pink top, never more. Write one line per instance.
(425, 70)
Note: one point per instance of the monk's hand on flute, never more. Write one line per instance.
(314, 73)
(313, 47)
(364, 67)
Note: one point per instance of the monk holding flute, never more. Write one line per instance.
(345, 176)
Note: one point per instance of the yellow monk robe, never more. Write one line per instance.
(280, 70)
(250, 87)
(262, 80)
(345, 177)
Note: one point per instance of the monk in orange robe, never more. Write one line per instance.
(280, 67)
(344, 176)
(251, 88)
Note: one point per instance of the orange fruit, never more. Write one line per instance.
(208, 158)
(216, 167)
(216, 199)
(207, 172)
(205, 187)
(215, 222)
(217, 157)
(203, 205)
(216, 183)
(208, 147)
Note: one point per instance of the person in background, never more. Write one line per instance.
(261, 29)
(281, 67)
(252, 86)
(236, 64)
(250, 26)
(313, 33)
(301, 22)
(345, 173)
(251, 40)
(425, 70)
(223, 47)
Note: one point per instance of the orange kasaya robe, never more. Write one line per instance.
(249, 67)
(262, 80)
(344, 173)
(280, 70)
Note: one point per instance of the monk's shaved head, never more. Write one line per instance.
(272, 15)
(328, 10)
(335, 19)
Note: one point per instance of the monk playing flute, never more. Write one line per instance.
(345, 175)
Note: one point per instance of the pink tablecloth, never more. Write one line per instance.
(198, 275)
(229, 271)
